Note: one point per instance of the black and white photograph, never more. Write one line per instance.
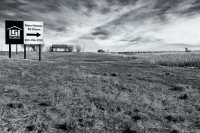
(99, 66)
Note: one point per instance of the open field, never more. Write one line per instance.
(91, 92)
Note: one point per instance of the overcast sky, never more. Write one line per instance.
(114, 25)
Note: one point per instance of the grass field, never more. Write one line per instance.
(91, 92)
(183, 59)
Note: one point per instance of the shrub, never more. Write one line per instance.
(115, 74)
(71, 48)
(179, 87)
(78, 48)
(184, 97)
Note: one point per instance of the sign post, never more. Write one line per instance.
(24, 32)
(39, 52)
(16, 48)
(9, 50)
(24, 51)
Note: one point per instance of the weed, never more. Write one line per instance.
(61, 126)
(15, 105)
(184, 96)
(175, 119)
(30, 128)
(129, 75)
(136, 118)
(105, 74)
(96, 73)
(128, 130)
(179, 87)
(67, 126)
(174, 131)
(46, 103)
(114, 74)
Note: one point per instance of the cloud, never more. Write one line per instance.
(118, 25)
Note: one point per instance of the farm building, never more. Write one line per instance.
(58, 47)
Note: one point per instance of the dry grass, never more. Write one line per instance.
(88, 92)
(174, 60)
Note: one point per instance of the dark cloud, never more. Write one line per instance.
(10, 5)
(90, 4)
(87, 37)
(55, 27)
(101, 33)
(105, 10)
(121, 2)
(139, 40)
(164, 5)
(127, 2)
(193, 9)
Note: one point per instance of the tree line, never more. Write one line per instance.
(35, 47)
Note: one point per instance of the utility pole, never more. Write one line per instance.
(83, 47)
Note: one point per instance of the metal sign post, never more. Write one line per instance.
(16, 48)
(40, 52)
(24, 51)
(9, 50)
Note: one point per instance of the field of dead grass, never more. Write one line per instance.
(91, 92)
(172, 59)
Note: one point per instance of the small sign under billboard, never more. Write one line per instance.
(33, 32)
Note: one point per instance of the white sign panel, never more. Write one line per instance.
(33, 32)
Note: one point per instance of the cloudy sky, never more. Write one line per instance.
(114, 25)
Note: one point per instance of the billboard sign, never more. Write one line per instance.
(14, 31)
(24, 32)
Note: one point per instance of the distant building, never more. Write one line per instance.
(101, 51)
(186, 50)
(55, 47)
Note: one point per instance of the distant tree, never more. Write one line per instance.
(84, 48)
(78, 48)
(34, 47)
(27, 46)
(187, 50)
(47, 48)
(70, 48)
